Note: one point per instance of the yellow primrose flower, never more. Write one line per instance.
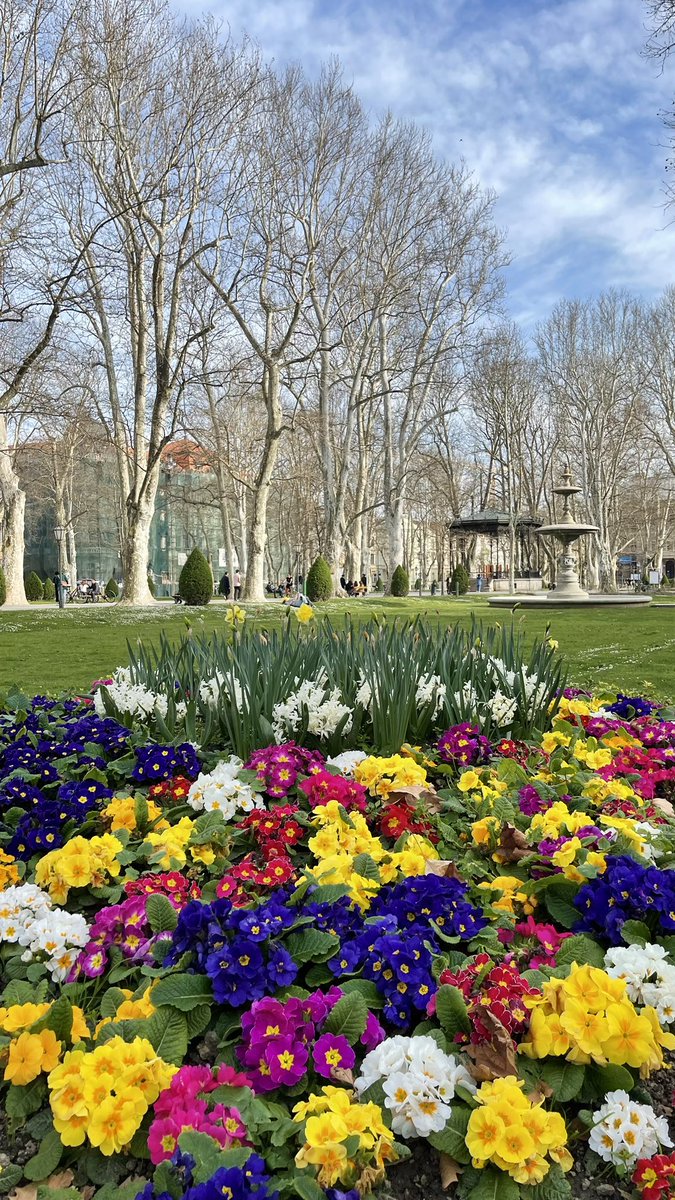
(468, 781)
(551, 741)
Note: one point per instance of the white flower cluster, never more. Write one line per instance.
(419, 1081)
(502, 709)
(221, 790)
(210, 690)
(364, 693)
(52, 935)
(347, 762)
(430, 690)
(131, 698)
(649, 977)
(624, 1131)
(325, 710)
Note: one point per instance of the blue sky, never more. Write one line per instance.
(549, 101)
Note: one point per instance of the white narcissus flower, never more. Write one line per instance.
(324, 710)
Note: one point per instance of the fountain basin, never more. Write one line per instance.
(553, 600)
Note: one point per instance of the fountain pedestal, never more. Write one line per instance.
(567, 590)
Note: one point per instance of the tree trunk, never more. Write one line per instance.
(254, 580)
(136, 548)
(13, 505)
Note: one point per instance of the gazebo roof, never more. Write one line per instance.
(490, 520)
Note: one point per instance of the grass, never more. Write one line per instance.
(47, 650)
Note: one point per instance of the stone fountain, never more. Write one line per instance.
(567, 590)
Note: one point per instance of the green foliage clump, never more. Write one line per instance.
(417, 584)
(400, 583)
(459, 581)
(33, 586)
(319, 584)
(48, 590)
(195, 585)
(3, 587)
(112, 590)
(151, 585)
(379, 586)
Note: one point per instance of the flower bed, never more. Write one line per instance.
(284, 976)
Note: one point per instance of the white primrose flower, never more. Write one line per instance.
(50, 935)
(418, 1079)
(624, 1131)
(348, 761)
(222, 790)
(650, 978)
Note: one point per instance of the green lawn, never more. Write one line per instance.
(47, 650)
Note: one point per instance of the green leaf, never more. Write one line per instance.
(328, 893)
(311, 945)
(167, 1030)
(366, 988)
(452, 1139)
(600, 1080)
(162, 915)
(558, 901)
(183, 991)
(451, 1011)
(208, 828)
(494, 1185)
(635, 933)
(305, 1187)
(10, 1177)
(197, 1020)
(563, 1077)
(47, 1159)
(580, 949)
(348, 1017)
(554, 1187)
(366, 867)
(111, 1001)
(20, 1102)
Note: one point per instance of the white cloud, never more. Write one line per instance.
(552, 104)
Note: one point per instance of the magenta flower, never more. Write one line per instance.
(332, 1052)
(373, 1033)
(287, 1061)
(94, 962)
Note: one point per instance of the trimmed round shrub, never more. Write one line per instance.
(112, 590)
(379, 586)
(152, 585)
(3, 587)
(225, 585)
(400, 583)
(48, 590)
(319, 584)
(417, 584)
(33, 586)
(195, 585)
(459, 581)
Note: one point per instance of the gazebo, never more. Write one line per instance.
(493, 524)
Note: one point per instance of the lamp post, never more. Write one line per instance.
(59, 534)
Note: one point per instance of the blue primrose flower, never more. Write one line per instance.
(629, 707)
(157, 762)
(627, 890)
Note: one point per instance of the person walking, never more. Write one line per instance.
(226, 585)
(237, 585)
(57, 586)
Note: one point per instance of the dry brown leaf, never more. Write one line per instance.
(443, 867)
(450, 1171)
(419, 795)
(543, 1091)
(62, 1179)
(27, 1192)
(512, 845)
(664, 805)
(341, 1075)
(494, 1059)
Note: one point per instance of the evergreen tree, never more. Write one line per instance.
(400, 583)
(112, 590)
(33, 585)
(195, 585)
(459, 581)
(319, 584)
